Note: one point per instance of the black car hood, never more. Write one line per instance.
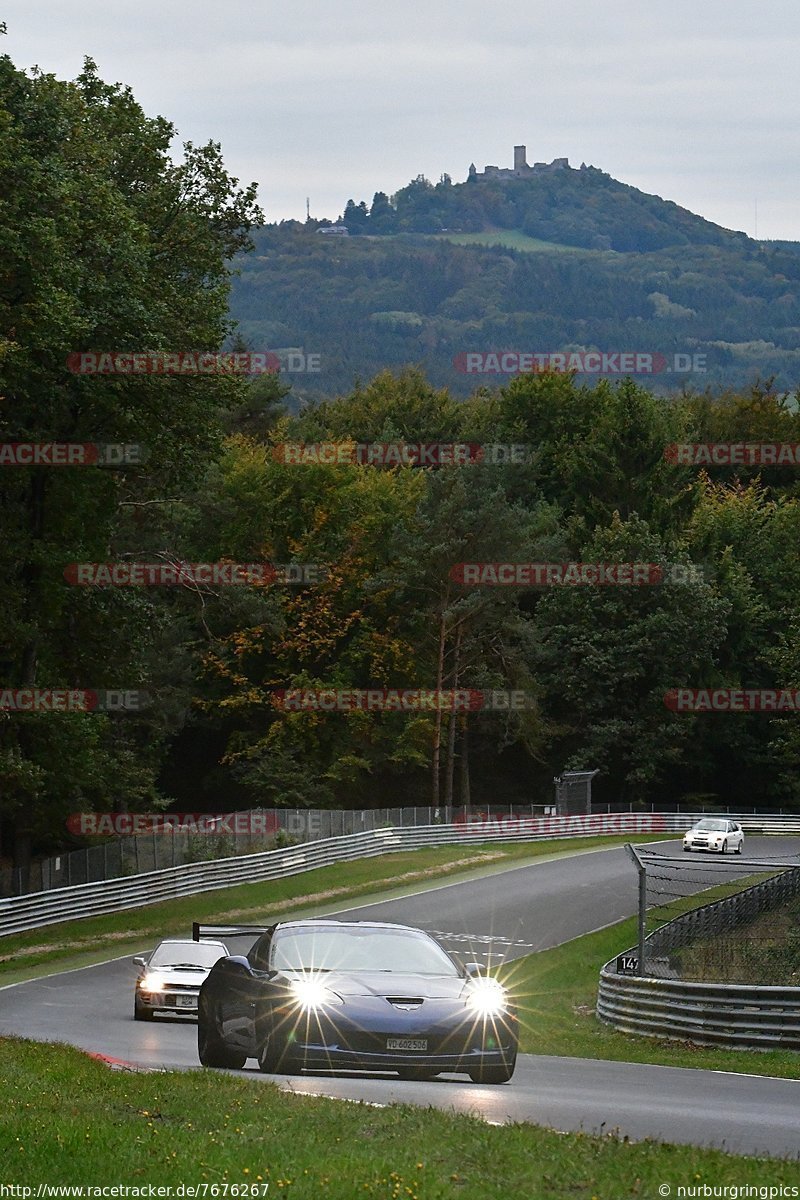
(390, 983)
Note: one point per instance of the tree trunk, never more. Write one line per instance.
(437, 727)
(465, 796)
(451, 730)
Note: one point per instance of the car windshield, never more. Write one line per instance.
(708, 824)
(185, 954)
(352, 949)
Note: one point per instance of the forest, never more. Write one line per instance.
(113, 246)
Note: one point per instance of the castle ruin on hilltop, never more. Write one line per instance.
(521, 168)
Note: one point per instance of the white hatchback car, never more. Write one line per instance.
(714, 833)
(170, 976)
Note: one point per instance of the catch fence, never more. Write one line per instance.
(122, 857)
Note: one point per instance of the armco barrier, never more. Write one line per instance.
(243, 833)
(730, 1014)
(31, 911)
(18, 913)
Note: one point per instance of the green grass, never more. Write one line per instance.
(93, 939)
(513, 239)
(558, 992)
(67, 1119)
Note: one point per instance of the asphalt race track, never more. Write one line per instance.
(501, 915)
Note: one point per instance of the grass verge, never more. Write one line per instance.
(92, 939)
(69, 1120)
(558, 993)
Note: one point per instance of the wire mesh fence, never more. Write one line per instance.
(119, 857)
(200, 838)
(720, 919)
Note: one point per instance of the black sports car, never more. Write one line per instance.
(353, 995)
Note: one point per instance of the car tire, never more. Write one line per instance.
(211, 1050)
(686, 849)
(740, 848)
(724, 846)
(141, 1012)
(272, 1055)
(495, 1074)
(492, 1074)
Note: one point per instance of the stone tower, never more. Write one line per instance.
(520, 159)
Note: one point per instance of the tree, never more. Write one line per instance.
(356, 216)
(607, 656)
(382, 217)
(108, 246)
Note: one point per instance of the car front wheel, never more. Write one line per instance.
(141, 1012)
(495, 1074)
(725, 846)
(273, 1056)
(211, 1049)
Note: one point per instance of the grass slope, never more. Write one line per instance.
(513, 239)
(69, 1120)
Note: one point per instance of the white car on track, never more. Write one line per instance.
(170, 976)
(714, 833)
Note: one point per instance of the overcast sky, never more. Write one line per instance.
(694, 100)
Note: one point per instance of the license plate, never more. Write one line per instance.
(185, 1001)
(406, 1043)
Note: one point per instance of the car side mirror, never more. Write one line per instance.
(473, 969)
(139, 961)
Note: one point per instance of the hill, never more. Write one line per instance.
(585, 208)
(569, 261)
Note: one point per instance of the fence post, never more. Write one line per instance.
(640, 867)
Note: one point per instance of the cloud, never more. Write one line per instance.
(696, 102)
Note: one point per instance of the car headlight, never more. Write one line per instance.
(311, 994)
(487, 998)
(152, 983)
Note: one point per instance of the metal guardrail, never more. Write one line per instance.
(20, 913)
(153, 851)
(33, 910)
(713, 1014)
